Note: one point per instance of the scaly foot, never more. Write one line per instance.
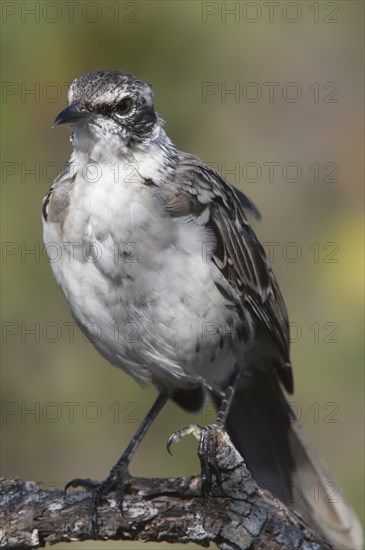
(207, 452)
(117, 480)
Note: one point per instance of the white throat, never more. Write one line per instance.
(94, 147)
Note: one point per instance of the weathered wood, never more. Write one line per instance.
(236, 513)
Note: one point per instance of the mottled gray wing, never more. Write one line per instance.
(200, 193)
(56, 201)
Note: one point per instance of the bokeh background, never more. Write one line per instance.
(291, 137)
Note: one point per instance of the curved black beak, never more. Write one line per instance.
(70, 114)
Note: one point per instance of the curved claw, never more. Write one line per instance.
(85, 483)
(171, 441)
(175, 437)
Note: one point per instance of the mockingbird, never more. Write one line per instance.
(158, 253)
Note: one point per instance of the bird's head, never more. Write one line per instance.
(111, 106)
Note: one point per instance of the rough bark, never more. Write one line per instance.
(235, 514)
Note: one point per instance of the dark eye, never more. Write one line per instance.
(124, 106)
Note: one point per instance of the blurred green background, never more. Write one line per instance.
(292, 133)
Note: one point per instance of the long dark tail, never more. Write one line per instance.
(281, 458)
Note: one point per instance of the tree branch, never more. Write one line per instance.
(236, 514)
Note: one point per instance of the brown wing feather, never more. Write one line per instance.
(238, 253)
